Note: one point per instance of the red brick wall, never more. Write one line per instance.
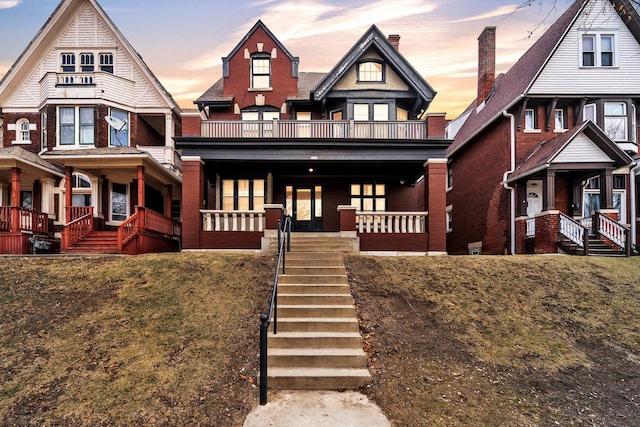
(146, 135)
(191, 125)
(547, 227)
(192, 202)
(480, 203)
(435, 125)
(239, 79)
(394, 242)
(436, 196)
(10, 135)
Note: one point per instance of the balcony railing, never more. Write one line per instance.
(218, 220)
(391, 222)
(322, 129)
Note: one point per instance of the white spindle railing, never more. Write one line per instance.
(612, 230)
(587, 222)
(330, 129)
(391, 222)
(218, 220)
(572, 230)
(531, 227)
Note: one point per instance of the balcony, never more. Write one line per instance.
(317, 129)
(96, 85)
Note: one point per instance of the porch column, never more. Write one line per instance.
(95, 196)
(521, 206)
(435, 173)
(549, 191)
(68, 186)
(606, 189)
(15, 199)
(141, 196)
(192, 200)
(168, 200)
(15, 187)
(576, 202)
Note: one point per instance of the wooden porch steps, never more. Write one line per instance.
(318, 344)
(96, 242)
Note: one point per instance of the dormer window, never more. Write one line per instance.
(87, 62)
(68, 62)
(371, 71)
(260, 71)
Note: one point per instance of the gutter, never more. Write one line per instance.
(512, 198)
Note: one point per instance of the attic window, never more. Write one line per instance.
(106, 62)
(260, 71)
(371, 71)
(598, 50)
(68, 62)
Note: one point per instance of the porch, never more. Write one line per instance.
(24, 231)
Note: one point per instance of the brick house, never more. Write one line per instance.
(352, 151)
(88, 151)
(542, 159)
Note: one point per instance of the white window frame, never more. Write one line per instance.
(598, 52)
(87, 62)
(590, 112)
(43, 126)
(67, 61)
(77, 127)
(106, 62)
(23, 130)
(371, 71)
(449, 213)
(530, 120)
(609, 119)
(257, 72)
(559, 119)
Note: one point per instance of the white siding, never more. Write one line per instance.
(87, 32)
(563, 75)
(581, 150)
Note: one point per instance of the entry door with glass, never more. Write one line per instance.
(304, 205)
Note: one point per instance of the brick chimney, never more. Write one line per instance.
(394, 39)
(486, 63)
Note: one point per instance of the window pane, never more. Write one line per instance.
(615, 108)
(616, 128)
(361, 112)
(589, 112)
(381, 204)
(368, 189)
(303, 204)
(367, 204)
(258, 187)
(529, 119)
(261, 81)
(380, 189)
(86, 125)
(118, 202)
(355, 189)
(559, 119)
(588, 43)
(289, 200)
(243, 203)
(261, 66)
(402, 114)
(381, 112)
(355, 201)
(270, 115)
(303, 115)
(250, 115)
(227, 188)
(120, 138)
(67, 126)
(318, 201)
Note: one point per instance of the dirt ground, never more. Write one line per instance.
(428, 370)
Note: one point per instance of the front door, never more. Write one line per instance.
(534, 197)
(304, 204)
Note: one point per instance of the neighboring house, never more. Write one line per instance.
(87, 142)
(346, 151)
(543, 162)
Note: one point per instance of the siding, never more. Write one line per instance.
(562, 74)
(581, 150)
(392, 80)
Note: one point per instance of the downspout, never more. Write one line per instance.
(635, 170)
(512, 213)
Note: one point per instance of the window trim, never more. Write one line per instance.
(374, 196)
(67, 62)
(257, 57)
(77, 127)
(624, 116)
(563, 119)
(597, 37)
(106, 62)
(20, 132)
(449, 218)
(127, 202)
(87, 62)
(371, 61)
(113, 134)
(251, 193)
(534, 117)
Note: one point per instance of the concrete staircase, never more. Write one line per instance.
(318, 344)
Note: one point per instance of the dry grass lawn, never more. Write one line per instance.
(172, 340)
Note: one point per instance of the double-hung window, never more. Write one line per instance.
(76, 126)
(559, 120)
(260, 71)
(598, 50)
(530, 122)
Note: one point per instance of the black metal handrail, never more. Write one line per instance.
(284, 239)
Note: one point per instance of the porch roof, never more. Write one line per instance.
(330, 150)
(19, 157)
(542, 157)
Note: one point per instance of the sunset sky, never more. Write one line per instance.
(183, 41)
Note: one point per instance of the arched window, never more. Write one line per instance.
(371, 71)
(23, 132)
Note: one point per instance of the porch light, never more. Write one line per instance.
(310, 170)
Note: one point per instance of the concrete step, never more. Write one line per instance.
(317, 358)
(317, 324)
(314, 270)
(321, 280)
(317, 378)
(314, 339)
(313, 310)
(313, 288)
(314, 299)
(309, 261)
(315, 255)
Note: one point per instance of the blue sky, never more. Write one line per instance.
(182, 41)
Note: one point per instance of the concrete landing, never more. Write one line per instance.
(317, 409)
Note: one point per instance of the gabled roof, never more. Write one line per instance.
(65, 10)
(511, 87)
(543, 156)
(253, 29)
(373, 37)
(24, 156)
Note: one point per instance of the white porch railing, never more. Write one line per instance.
(572, 230)
(531, 227)
(338, 129)
(612, 231)
(587, 222)
(218, 220)
(391, 222)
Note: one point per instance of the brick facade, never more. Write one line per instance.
(192, 201)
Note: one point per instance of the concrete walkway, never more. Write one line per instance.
(317, 409)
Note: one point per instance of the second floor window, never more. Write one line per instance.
(260, 71)
(615, 120)
(24, 133)
(559, 120)
(529, 119)
(119, 138)
(76, 126)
